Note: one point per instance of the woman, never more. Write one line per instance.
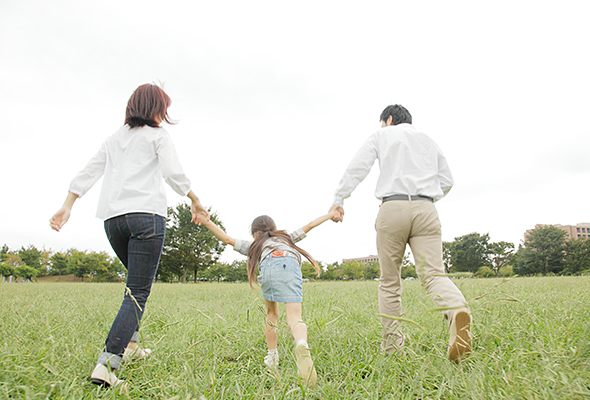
(132, 203)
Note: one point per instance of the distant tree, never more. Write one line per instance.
(308, 271)
(13, 260)
(372, 270)
(34, 258)
(484, 272)
(214, 272)
(500, 253)
(542, 251)
(77, 263)
(99, 266)
(26, 272)
(6, 270)
(470, 252)
(332, 272)
(188, 247)
(4, 252)
(237, 272)
(577, 256)
(408, 268)
(352, 270)
(59, 264)
(447, 246)
(506, 271)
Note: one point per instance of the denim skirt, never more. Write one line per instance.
(280, 279)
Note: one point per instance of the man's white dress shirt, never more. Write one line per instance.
(134, 162)
(411, 163)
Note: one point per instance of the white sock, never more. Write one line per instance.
(301, 342)
(273, 352)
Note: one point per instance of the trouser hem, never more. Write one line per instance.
(110, 360)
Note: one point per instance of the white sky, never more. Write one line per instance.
(274, 98)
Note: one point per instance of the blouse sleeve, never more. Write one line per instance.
(93, 171)
(171, 169)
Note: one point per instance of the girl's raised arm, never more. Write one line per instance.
(318, 221)
(216, 230)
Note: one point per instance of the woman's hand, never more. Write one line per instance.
(60, 218)
(63, 214)
(197, 209)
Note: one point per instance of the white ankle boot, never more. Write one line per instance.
(104, 376)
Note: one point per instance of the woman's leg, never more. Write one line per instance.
(145, 235)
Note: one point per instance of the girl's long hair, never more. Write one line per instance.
(266, 228)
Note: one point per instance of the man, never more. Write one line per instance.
(414, 174)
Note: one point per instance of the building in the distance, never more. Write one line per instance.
(363, 260)
(579, 231)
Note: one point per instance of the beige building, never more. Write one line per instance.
(363, 260)
(578, 231)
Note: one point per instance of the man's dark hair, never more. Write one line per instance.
(399, 114)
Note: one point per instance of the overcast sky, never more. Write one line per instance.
(274, 98)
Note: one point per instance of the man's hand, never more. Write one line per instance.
(336, 213)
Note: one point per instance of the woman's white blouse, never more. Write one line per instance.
(134, 162)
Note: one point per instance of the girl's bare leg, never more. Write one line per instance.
(270, 324)
(296, 324)
(305, 368)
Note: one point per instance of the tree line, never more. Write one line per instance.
(546, 250)
(191, 253)
(31, 262)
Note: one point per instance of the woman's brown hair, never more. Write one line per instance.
(264, 228)
(148, 105)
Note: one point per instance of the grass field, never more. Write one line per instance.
(532, 341)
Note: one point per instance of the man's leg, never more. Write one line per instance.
(393, 228)
(426, 244)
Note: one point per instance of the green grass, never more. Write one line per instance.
(532, 341)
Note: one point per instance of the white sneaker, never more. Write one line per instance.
(103, 376)
(136, 354)
(271, 361)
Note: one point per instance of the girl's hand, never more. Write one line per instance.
(202, 219)
(60, 218)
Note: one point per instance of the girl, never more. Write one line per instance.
(279, 273)
(132, 203)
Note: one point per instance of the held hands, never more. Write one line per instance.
(202, 219)
(336, 213)
(199, 214)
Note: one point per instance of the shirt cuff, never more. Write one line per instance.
(338, 201)
(298, 235)
(241, 246)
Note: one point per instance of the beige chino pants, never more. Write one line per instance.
(416, 223)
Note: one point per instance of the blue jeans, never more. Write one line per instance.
(137, 239)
